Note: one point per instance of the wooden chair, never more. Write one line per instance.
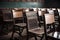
(53, 8)
(49, 19)
(7, 19)
(55, 35)
(18, 15)
(33, 27)
(40, 13)
(58, 11)
(56, 15)
(51, 11)
(54, 11)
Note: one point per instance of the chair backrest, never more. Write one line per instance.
(17, 13)
(49, 22)
(56, 12)
(32, 19)
(59, 11)
(26, 9)
(7, 14)
(35, 9)
(43, 9)
(51, 11)
(18, 16)
(49, 18)
(53, 8)
(40, 13)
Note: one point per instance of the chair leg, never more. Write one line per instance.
(20, 31)
(20, 38)
(12, 34)
(27, 37)
(35, 38)
(42, 37)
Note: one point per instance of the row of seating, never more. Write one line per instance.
(32, 22)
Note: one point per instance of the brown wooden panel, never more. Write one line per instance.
(11, 0)
(6, 14)
(22, 0)
(17, 13)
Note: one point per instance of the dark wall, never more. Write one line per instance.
(47, 3)
(52, 3)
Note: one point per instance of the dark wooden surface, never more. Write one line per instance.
(21, 0)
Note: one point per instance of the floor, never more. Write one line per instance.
(16, 37)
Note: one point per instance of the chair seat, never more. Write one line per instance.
(41, 22)
(38, 31)
(21, 24)
(9, 20)
(54, 35)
